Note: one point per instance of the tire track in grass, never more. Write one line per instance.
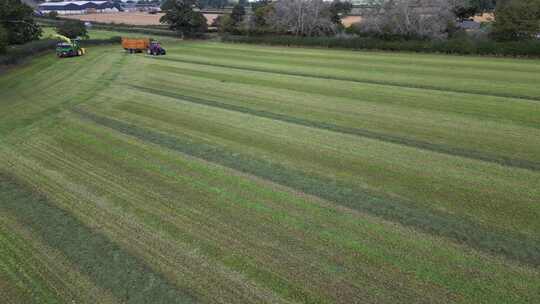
(513, 245)
(111, 267)
(455, 151)
(351, 79)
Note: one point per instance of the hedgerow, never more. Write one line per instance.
(458, 46)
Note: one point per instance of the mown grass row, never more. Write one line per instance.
(456, 151)
(486, 82)
(303, 249)
(511, 245)
(189, 182)
(341, 95)
(109, 266)
(39, 90)
(498, 127)
(429, 180)
(374, 64)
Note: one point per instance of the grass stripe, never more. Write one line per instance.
(467, 153)
(350, 79)
(110, 267)
(512, 245)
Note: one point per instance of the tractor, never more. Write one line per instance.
(139, 45)
(155, 48)
(68, 47)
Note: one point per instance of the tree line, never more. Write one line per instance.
(389, 19)
(17, 25)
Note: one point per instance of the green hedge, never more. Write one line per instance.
(17, 53)
(461, 46)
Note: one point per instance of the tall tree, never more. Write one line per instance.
(517, 19)
(302, 17)
(184, 17)
(72, 29)
(237, 14)
(402, 18)
(17, 19)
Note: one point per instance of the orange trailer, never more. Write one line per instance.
(135, 45)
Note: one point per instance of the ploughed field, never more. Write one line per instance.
(247, 174)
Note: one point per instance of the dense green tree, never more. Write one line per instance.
(517, 20)
(237, 14)
(72, 29)
(17, 19)
(261, 11)
(224, 23)
(184, 17)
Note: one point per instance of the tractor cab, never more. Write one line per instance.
(155, 48)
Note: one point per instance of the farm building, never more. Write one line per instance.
(77, 7)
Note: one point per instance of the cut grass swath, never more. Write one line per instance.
(511, 245)
(456, 151)
(111, 267)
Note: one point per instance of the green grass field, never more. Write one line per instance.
(226, 173)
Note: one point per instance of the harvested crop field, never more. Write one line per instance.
(133, 18)
(225, 173)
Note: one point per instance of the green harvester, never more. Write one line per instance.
(68, 47)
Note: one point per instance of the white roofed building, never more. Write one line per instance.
(77, 7)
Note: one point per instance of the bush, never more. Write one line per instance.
(72, 29)
(460, 46)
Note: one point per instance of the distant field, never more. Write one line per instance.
(134, 18)
(249, 174)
